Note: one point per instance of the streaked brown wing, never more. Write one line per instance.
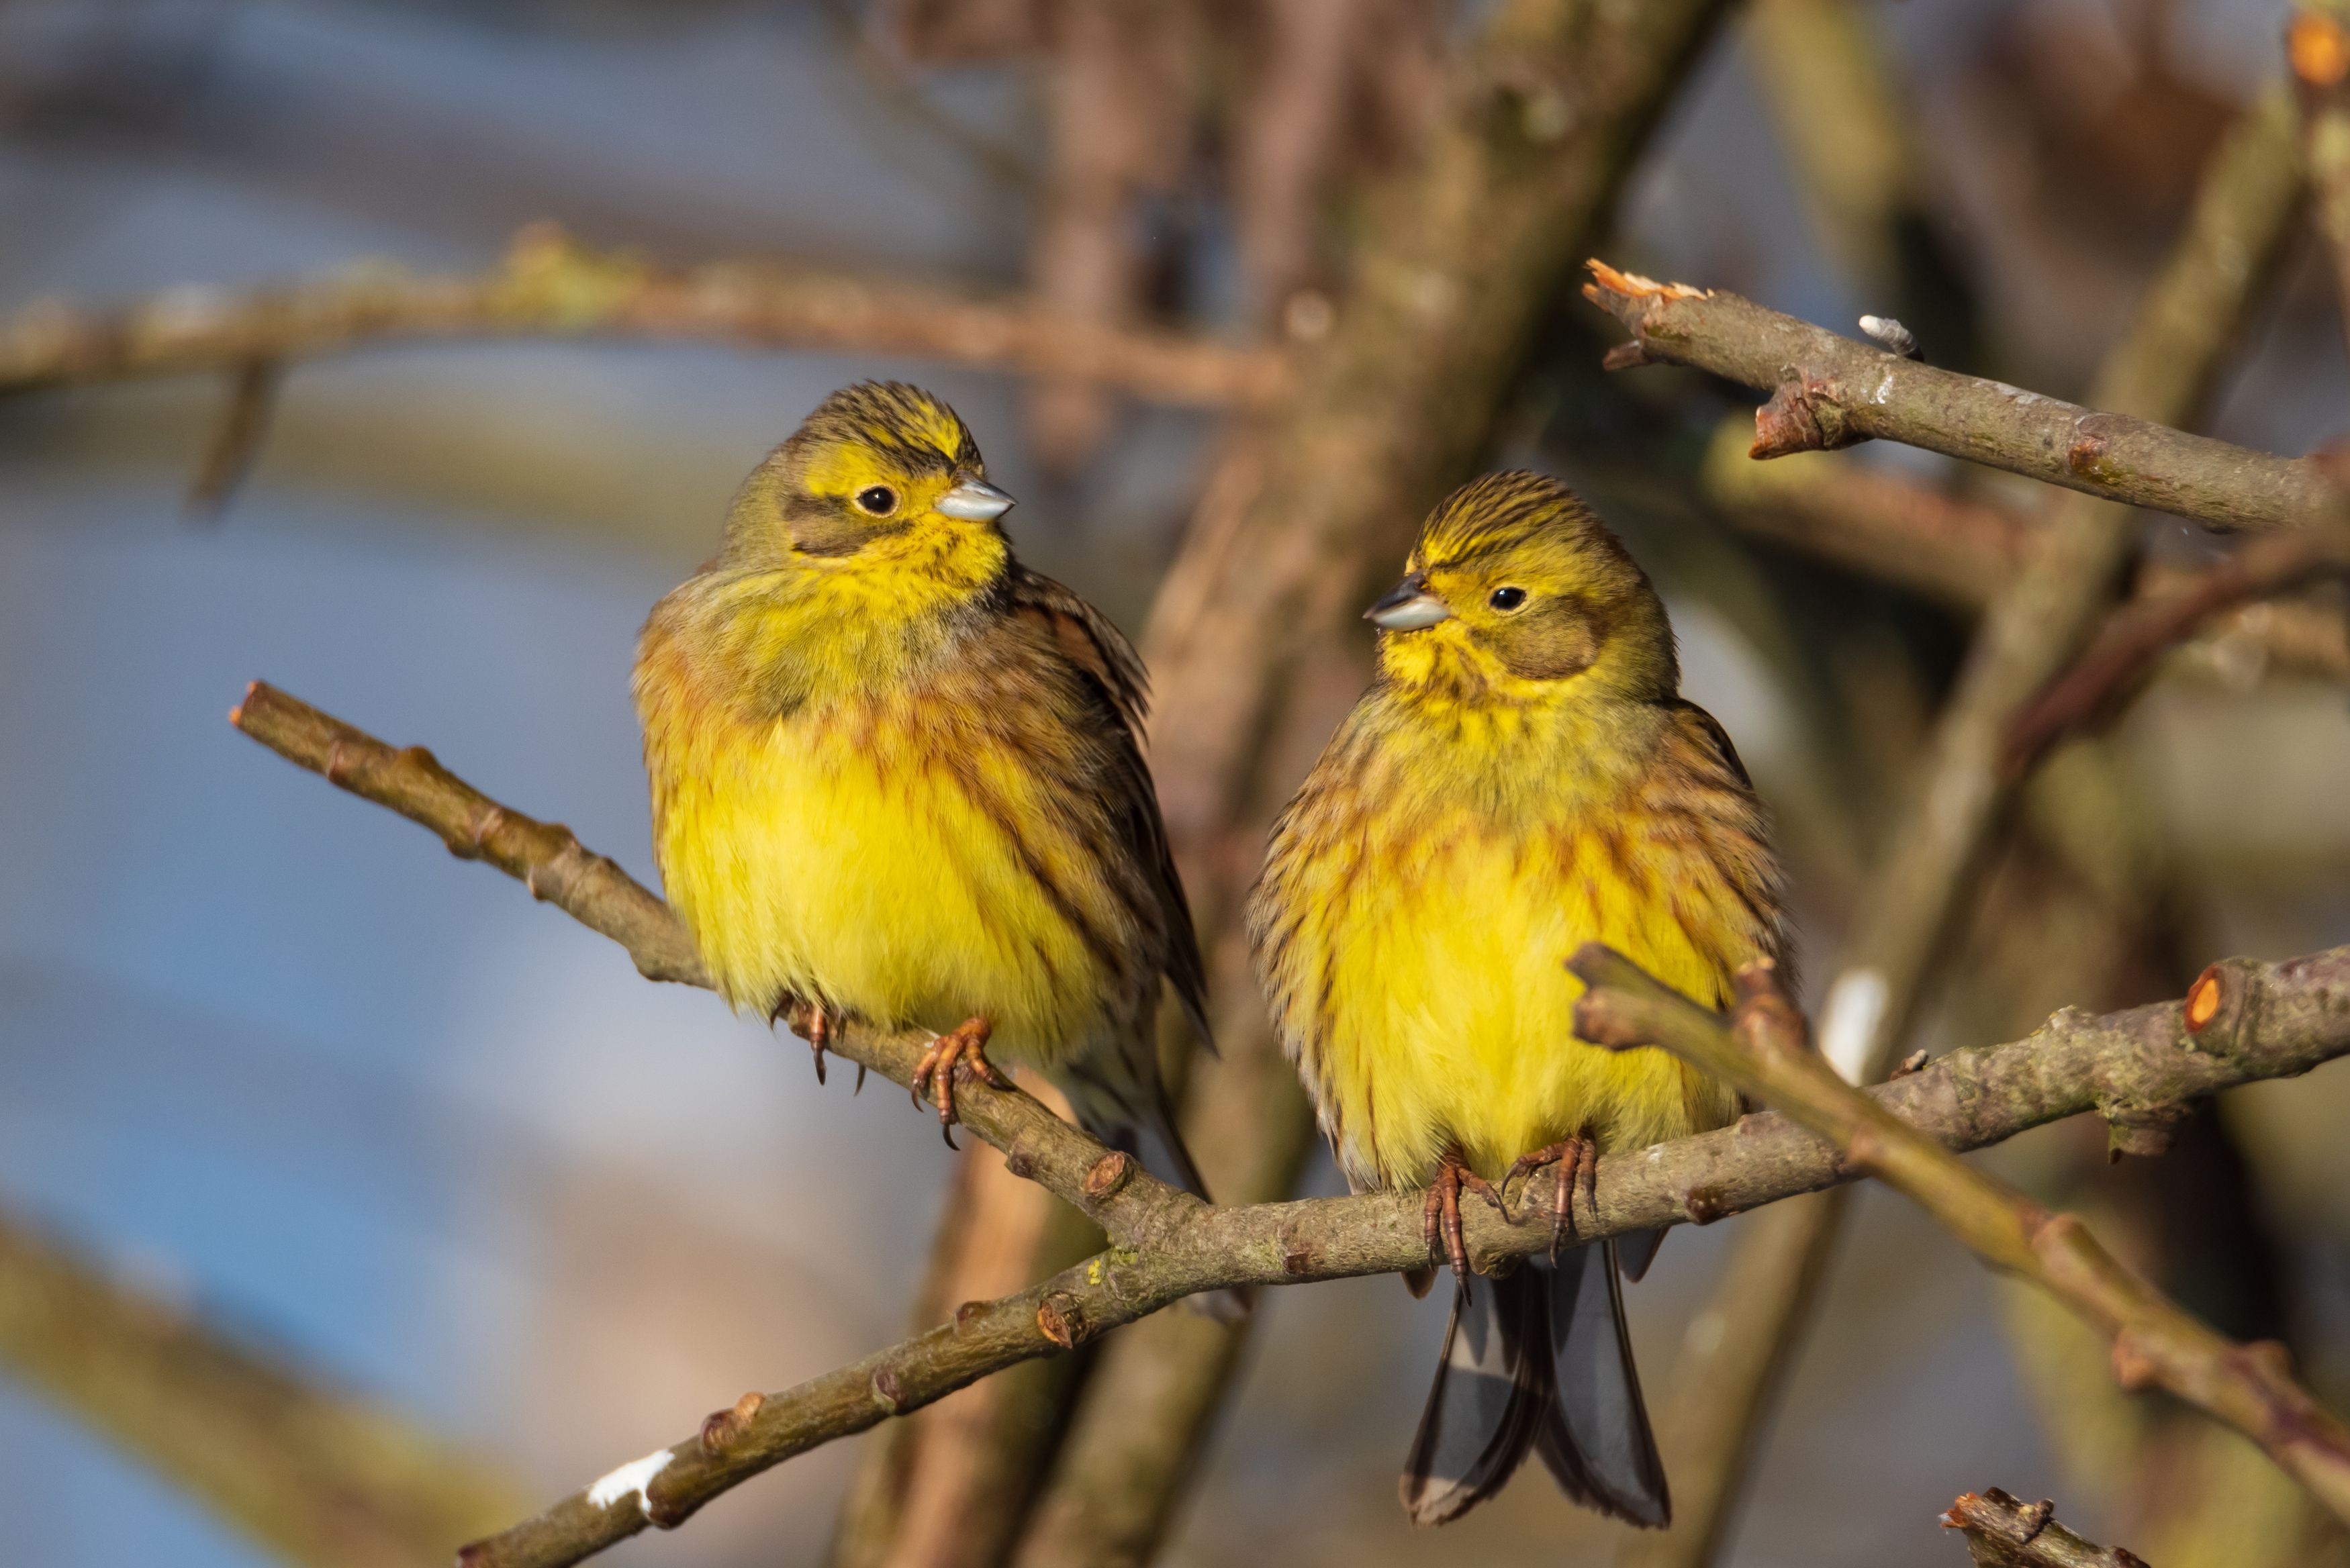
(1100, 652)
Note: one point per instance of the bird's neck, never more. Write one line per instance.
(812, 631)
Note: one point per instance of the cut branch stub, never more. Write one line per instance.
(1801, 416)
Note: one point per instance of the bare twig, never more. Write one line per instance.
(317, 1477)
(550, 287)
(1764, 1048)
(2318, 44)
(1119, 111)
(2257, 1021)
(1961, 552)
(2110, 668)
(2216, 278)
(236, 441)
(1830, 392)
(2004, 1532)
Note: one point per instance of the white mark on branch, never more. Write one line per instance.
(1848, 1022)
(632, 1477)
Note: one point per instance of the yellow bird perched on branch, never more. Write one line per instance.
(896, 775)
(1524, 777)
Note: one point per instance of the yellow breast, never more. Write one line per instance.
(1414, 941)
(880, 859)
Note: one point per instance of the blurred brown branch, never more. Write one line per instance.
(1254, 644)
(2244, 1021)
(1960, 552)
(316, 1475)
(551, 286)
(1830, 392)
(1764, 1048)
(2004, 1532)
(2134, 637)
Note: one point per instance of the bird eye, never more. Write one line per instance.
(1506, 598)
(878, 499)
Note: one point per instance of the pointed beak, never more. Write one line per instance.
(976, 500)
(1408, 607)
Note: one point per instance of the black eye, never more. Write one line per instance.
(1506, 598)
(878, 499)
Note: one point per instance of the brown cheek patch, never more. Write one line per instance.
(1552, 641)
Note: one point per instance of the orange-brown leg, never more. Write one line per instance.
(1439, 1217)
(1578, 1160)
(965, 1046)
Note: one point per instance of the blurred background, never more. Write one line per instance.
(273, 1065)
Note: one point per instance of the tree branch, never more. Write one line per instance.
(1764, 1049)
(2199, 303)
(1961, 552)
(551, 286)
(2140, 632)
(2133, 1068)
(2004, 1532)
(316, 1475)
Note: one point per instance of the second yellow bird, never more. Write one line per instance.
(1523, 778)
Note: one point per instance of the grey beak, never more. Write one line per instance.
(976, 500)
(1408, 607)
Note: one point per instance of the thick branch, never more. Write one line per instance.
(1764, 1049)
(2133, 1068)
(1830, 392)
(2005, 1532)
(317, 1477)
(550, 287)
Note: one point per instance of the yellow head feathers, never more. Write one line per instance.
(877, 461)
(1515, 591)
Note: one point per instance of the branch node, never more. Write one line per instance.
(2220, 1008)
(968, 1313)
(1703, 1205)
(2134, 1368)
(888, 1392)
(1110, 1173)
(1802, 415)
(1061, 1318)
(1626, 355)
(721, 1429)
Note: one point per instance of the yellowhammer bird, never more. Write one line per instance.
(895, 774)
(1522, 778)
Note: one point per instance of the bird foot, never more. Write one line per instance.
(964, 1047)
(1579, 1162)
(818, 1030)
(1439, 1217)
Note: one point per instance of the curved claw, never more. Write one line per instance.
(1579, 1162)
(1440, 1214)
(965, 1046)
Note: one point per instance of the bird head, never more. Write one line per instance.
(880, 472)
(1515, 584)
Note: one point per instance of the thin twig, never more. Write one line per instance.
(2134, 1067)
(551, 286)
(2005, 1532)
(2218, 275)
(1764, 1049)
(2138, 635)
(1961, 552)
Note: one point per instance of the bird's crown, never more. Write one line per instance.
(878, 461)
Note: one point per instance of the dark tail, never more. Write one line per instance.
(1539, 1362)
